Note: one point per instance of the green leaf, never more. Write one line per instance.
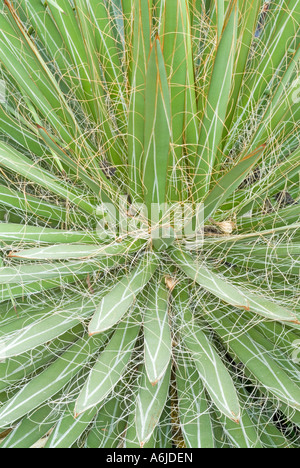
(30, 429)
(68, 429)
(98, 21)
(157, 129)
(7, 292)
(28, 204)
(54, 3)
(108, 426)
(32, 272)
(195, 421)
(11, 159)
(231, 294)
(157, 334)
(244, 434)
(48, 327)
(150, 404)
(19, 367)
(50, 381)
(249, 12)
(110, 365)
(175, 44)
(70, 31)
(117, 302)
(271, 184)
(77, 170)
(209, 280)
(81, 251)
(281, 218)
(136, 119)
(216, 106)
(131, 437)
(19, 132)
(257, 360)
(212, 370)
(266, 65)
(230, 182)
(18, 232)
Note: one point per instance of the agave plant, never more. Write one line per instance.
(122, 324)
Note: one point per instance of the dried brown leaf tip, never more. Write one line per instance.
(170, 282)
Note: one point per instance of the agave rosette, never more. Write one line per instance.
(114, 330)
